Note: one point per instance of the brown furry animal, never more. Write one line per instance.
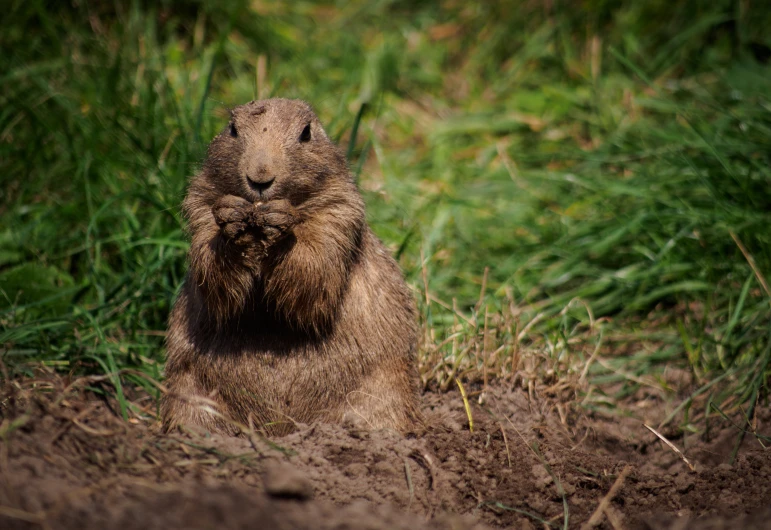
(292, 311)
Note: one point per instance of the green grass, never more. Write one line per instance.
(609, 164)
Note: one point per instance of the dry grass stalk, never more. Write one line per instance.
(505, 443)
(671, 446)
(466, 405)
(751, 262)
(21, 515)
(604, 506)
(495, 344)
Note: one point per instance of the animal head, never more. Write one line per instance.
(273, 149)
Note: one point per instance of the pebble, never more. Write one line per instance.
(287, 482)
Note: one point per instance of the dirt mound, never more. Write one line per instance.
(68, 461)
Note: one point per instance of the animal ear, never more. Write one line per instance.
(233, 130)
(305, 136)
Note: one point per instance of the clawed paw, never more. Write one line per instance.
(276, 216)
(270, 220)
(233, 215)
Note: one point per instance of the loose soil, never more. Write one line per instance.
(67, 460)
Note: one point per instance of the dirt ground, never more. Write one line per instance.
(68, 461)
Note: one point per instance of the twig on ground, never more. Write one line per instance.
(408, 475)
(604, 505)
(615, 519)
(425, 461)
(21, 515)
(671, 446)
(93, 432)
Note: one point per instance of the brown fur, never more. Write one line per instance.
(292, 311)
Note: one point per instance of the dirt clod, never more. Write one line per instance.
(283, 481)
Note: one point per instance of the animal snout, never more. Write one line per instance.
(259, 178)
(260, 184)
(258, 175)
(259, 169)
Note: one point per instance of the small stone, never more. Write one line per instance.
(287, 482)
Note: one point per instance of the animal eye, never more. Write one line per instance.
(305, 136)
(233, 131)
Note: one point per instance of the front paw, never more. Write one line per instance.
(233, 215)
(276, 218)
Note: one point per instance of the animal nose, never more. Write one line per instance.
(260, 183)
(258, 168)
(258, 175)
